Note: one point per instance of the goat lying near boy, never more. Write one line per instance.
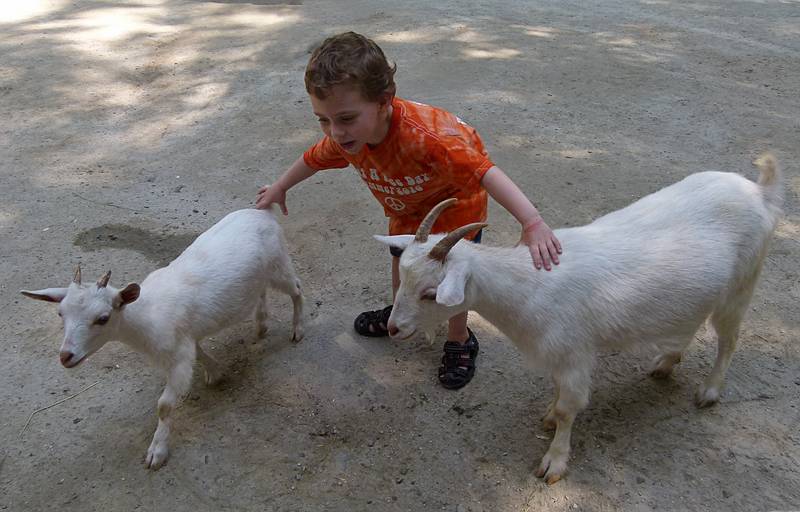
(219, 280)
(650, 273)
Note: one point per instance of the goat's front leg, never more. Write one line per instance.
(179, 379)
(573, 396)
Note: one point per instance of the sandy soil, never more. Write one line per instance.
(130, 127)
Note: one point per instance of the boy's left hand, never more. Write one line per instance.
(542, 243)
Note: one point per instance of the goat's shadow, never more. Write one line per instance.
(159, 247)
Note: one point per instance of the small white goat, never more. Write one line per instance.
(650, 273)
(216, 282)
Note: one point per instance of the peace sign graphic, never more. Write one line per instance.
(395, 204)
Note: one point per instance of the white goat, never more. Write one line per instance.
(650, 273)
(217, 281)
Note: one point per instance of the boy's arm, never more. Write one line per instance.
(276, 193)
(536, 234)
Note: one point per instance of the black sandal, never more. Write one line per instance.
(373, 323)
(456, 370)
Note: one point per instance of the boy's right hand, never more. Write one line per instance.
(269, 194)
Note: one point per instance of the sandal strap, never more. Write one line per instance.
(457, 370)
(454, 352)
(377, 316)
(373, 323)
(455, 348)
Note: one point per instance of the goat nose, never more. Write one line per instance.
(392, 328)
(65, 356)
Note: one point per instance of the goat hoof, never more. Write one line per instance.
(551, 479)
(552, 469)
(261, 333)
(663, 365)
(706, 397)
(297, 336)
(156, 457)
(213, 378)
(661, 373)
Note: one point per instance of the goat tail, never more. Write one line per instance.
(770, 178)
(768, 166)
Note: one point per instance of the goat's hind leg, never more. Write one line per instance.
(671, 354)
(726, 322)
(573, 396)
(261, 316)
(664, 363)
(286, 281)
(212, 368)
(549, 421)
(298, 321)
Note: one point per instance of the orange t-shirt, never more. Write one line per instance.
(427, 156)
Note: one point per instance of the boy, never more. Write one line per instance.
(411, 156)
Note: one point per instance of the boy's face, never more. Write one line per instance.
(351, 120)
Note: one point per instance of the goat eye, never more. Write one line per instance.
(59, 314)
(101, 320)
(428, 295)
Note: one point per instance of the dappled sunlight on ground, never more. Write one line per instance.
(136, 68)
(19, 11)
(540, 31)
(91, 29)
(494, 53)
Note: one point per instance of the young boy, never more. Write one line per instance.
(411, 156)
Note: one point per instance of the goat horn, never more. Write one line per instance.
(77, 278)
(424, 228)
(440, 250)
(103, 281)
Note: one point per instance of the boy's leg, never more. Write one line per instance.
(457, 328)
(460, 352)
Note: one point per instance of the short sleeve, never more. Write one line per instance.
(464, 164)
(325, 154)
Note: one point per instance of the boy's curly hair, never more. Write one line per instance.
(351, 59)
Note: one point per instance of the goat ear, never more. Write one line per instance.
(450, 291)
(48, 294)
(398, 241)
(127, 295)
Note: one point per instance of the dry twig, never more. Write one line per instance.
(55, 404)
(102, 203)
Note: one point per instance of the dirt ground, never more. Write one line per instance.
(130, 127)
